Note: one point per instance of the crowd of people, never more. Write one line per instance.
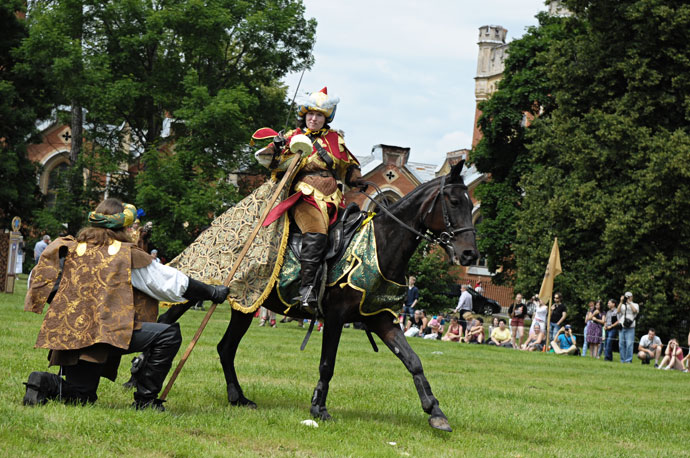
(603, 328)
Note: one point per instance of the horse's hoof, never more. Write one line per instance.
(320, 413)
(440, 423)
(244, 402)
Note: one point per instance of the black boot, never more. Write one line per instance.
(313, 248)
(198, 291)
(159, 358)
(40, 387)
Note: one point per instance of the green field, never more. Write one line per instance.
(499, 402)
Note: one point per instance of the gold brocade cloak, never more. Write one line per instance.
(95, 306)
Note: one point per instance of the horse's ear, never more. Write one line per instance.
(456, 172)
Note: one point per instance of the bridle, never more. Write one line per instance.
(445, 238)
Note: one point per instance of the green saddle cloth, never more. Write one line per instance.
(358, 269)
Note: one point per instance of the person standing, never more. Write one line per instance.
(558, 315)
(627, 313)
(517, 312)
(612, 326)
(410, 300)
(593, 333)
(590, 309)
(478, 287)
(464, 307)
(40, 247)
(154, 255)
(106, 306)
(539, 318)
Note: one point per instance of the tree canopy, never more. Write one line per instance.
(603, 164)
(429, 264)
(22, 101)
(172, 91)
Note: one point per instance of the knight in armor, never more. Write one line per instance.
(317, 189)
(103, 293)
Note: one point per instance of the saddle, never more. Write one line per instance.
(339, 236)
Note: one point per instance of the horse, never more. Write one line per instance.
(439, 210)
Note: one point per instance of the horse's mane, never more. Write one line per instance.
(413, 194)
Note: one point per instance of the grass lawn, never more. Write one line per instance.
(499, 402)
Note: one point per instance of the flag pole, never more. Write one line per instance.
(553, 268)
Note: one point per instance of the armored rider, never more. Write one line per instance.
(317, 190)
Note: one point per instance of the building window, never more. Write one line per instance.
(54, 179)
(481, 261)
(387, 198)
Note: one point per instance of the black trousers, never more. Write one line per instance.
(163, 340)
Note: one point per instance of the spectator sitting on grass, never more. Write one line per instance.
(493, 325)
(650, 347)
(673, 358)
(501, 336)
(565, 342)
(454, 332)
(475, 331)
(435, 329)
(416, 325)
(535, 340)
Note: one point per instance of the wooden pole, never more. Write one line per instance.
(286, 178)
(548, 327)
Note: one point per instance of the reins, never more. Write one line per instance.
(446, 237)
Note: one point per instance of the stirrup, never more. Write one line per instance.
(304, 303)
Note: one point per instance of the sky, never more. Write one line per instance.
(404, 70)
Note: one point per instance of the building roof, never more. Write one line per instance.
(423, 172)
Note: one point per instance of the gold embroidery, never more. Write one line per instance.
(81, 249)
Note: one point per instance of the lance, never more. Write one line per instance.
(287, 177)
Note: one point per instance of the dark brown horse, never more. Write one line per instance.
(441, 207)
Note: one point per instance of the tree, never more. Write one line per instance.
(184, 81)
(21, 102)
(524, 93)
(607, 162)
(430, 265)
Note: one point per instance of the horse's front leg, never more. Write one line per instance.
(332, 330)
(391, 334)
(227, 349)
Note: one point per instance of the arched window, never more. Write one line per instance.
(53, 169)
(387, 197)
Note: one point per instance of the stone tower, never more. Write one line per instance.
(493, 50)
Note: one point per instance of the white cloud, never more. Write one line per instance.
(404, 70)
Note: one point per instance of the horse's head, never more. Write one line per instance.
(449, 217)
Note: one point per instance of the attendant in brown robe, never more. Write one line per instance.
(103, 292)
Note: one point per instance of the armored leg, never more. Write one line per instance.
(313, 247)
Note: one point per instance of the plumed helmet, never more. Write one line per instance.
(318, 101)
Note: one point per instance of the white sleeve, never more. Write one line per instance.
(160, 282)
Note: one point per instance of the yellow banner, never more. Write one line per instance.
(552, 270)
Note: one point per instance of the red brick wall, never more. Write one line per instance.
(501, 294)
